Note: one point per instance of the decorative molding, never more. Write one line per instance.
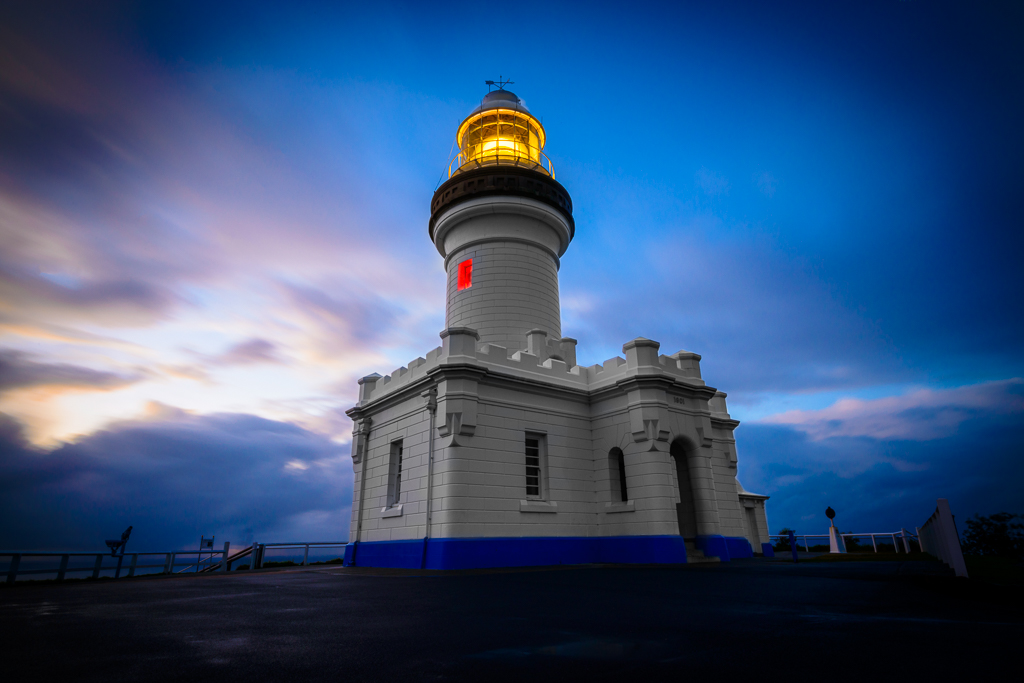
(538, 506)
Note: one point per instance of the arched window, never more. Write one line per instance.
(617, 461)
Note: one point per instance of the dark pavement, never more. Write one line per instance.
(752, 618)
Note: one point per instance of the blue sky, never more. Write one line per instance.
(213, 220)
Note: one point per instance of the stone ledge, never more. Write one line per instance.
(538, 506)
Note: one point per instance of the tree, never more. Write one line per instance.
(996, 535)
(783, 542)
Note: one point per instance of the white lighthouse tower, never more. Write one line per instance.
(497, 449)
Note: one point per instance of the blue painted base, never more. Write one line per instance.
(725, 548)
(767, 550)
(477, 553)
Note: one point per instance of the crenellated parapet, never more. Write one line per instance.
(548, 360)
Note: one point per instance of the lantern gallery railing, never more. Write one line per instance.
(531, 158)
(62, 564)
(905, 536)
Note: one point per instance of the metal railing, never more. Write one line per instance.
(174, 562)
(461, 161)
(902, 534)
(171, 560)
(259, 556)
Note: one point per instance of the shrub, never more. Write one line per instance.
(783, 542)
(997, 535)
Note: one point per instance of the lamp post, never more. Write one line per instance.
(836, 544)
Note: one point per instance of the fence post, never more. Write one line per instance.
(224, 558)
(906, 543)
(873, 544)
(920, 541)
(167, 564)
(895, 548)
(135, 561)
(96, 567)
(305, 558)
(807, 548)
(170, 563)
(12, 571)
(63, 567)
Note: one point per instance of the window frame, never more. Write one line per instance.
(617, 466)
(464, 274)
(540, 467)
(394, 496)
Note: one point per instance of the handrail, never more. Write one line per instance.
(502, 157)
(902, 534)
(218, 560)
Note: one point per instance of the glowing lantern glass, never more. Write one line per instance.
(501, 131)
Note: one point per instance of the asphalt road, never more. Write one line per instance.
(756, 619)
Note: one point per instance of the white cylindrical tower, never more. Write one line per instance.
(502, 223)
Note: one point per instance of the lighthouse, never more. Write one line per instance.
(496, 448)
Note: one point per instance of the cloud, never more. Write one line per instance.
(882, 485)
(174, 476)
(250, 352)
(352, 317)
(17, 371)
(921, 415)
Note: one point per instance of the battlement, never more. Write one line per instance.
(545, 360)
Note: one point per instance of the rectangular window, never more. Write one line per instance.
(395, 475)
(534, 465)
(466, 274)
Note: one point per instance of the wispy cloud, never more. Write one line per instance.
(19, 371)
(249, 352)
(921, 415)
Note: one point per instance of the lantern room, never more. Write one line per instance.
(501, 131)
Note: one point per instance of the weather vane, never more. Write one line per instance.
(500, 83)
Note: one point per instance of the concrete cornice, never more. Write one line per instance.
(724, 422)
(486, 206)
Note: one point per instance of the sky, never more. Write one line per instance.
(213, 220)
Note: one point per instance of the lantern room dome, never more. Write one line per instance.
(500, 131)
(500, 98)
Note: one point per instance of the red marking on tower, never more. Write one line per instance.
(466, 274)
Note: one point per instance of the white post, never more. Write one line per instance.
(63, 567)
(807, 548)
(836, 544)
(906, 543)
(224, 557)
(953, 555)
(920, 540)
(96, 567)
(305, 557)
(895, 548)
(135, 561)
(170, 563)
(873, 544)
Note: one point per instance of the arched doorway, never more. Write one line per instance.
(686, 509)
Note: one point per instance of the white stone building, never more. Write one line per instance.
(496, 448)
